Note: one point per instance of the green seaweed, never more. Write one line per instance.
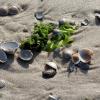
(42, 37)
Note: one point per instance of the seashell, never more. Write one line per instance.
(39, 15)
(25, 55)
(56, 31)
(75, 58)
(13, 10)
(85, 55)
(9, 47)
(2, 84)
(50, 70)
(51, 97)
(3, 56)
(85, 22)
(3, 11)
(64, 20)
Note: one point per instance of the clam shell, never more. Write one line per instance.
(3, 11)
(9, 47)
(75, 58)
(52, 65)
(85, 55)
(39, 15)
(13, 10)
(3, 56)
(26, 55)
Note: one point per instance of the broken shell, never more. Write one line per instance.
(85, 22)
(56, 31)
(51, 65)
(26, 55)
(75, 58)
(3, 56)
(39, 15)
(9, 47)
(85, 55)
(3, 11)
(13, 10)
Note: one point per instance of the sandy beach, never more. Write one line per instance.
(24, 81)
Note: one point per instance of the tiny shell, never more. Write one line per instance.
(56, 31)
(75, 58)
(9, 47)
(25, 55)
(39, 15)
(85, 55)
(3, 56)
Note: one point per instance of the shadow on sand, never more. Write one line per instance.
(25, 64)
(7, 64)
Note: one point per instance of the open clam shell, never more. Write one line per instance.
(3, 56)
(39, 15)
(85, 55)
(9, 47)
(25, 55)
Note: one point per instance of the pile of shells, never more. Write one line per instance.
(10, 10)
(11, 48)
(84, 55)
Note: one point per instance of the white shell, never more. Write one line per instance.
(26, 55)
(9, 47)
(52, 65)
(3, 56)
(85, 55)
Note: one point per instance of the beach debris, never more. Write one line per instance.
(2, 83)
(64, 20)
(51, 97)
(97, 16)
(50, 70)
(39, 15)
(85, 22)
(3, 56)
(3, 11)
(9, 47)
(25, 55)
(56, 31)
(85, 55)
(13, 10)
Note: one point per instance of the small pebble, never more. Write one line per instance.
(2, 84)
(3, 11)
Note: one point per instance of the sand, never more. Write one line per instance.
(24, 80)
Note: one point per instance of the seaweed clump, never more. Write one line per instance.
(48, 37)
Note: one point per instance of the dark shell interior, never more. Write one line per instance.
(3, 56)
